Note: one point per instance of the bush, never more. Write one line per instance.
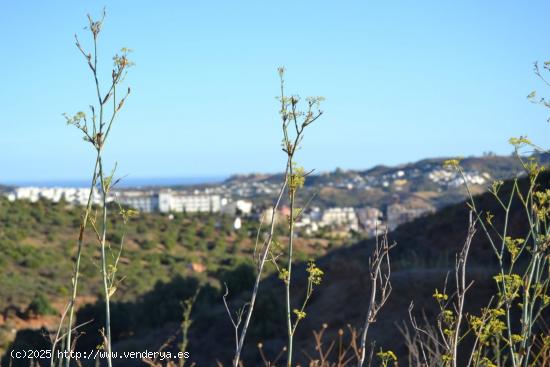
(39, 306)
(240, 278)
(148, 245)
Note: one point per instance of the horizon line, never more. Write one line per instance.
(154, 180)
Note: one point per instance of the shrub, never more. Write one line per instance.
(148, 245)
(39, 306)
(239, 278)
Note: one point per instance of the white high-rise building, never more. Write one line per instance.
(170, 201)
(145, 202)
(77, 196)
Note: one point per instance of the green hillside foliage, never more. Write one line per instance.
(37, 242)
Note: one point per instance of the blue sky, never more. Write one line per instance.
(403, 80)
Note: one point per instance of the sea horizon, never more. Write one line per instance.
(125, 182)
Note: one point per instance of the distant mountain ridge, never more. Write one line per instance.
(422, 186)
(425, 181)
(500, 164)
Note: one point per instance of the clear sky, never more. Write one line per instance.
(403, 80)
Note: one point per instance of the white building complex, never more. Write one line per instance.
(371, 220)
(171, 201)
(164, 201)
(238, 207)
(340, 217)
(401, 213)
(454, 179)
(77, 196)
(145, 202)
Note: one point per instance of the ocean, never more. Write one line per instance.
(126, 182)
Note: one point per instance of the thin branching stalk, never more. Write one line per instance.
(345, 352)
(290, 327)
(438, 345)
(380, 273)
(104, 270)
(496, 338)
(260, 263)
(76, 271)
(186, 324)
(293, 178)
(292, 116)
(95, 131)
(461, 289)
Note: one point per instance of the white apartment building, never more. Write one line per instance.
(145, 202)
(371, 219)
(452, 178)
(77, 196)
(170, 201)
(164, 201)
(340, 217)
(398, 214)
(243, 207)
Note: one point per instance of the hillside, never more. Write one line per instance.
(424, 254)
(4, 188)
(37, 242)
(167, 257)
(426, 180)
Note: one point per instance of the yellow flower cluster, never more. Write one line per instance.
(440, 296)
(513, 246)
(452, 163)
(489, 326)
(522, 140)
(315, 274)
(386, 357)
(510, 284)
(283, 275)
(542, 204)
(299, 314)
(297, 179)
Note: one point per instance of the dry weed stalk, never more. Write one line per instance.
(438, 345)
(345, 353)
(95, 130)
(295, 119)
(380, 272)
(293, 180)
(506, 331)
(260, 261)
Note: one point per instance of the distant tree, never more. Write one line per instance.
(39, 306)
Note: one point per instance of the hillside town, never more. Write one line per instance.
(339, 220)
(397, 179)
(408, 192)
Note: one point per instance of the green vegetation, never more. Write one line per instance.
(158, 246)
(40, 306)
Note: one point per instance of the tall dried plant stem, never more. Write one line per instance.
(292, 198)
(461, 287)
(289, 147)
(380, 272)
(430, 344)
(240, 337)
(76, 271)
(96, 133)
(106, 287)
(292, 116)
